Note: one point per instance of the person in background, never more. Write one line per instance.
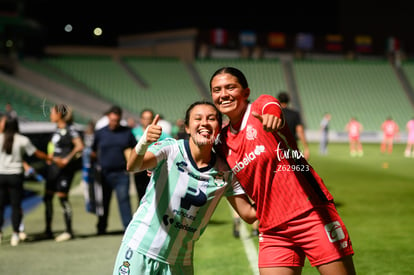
(178, 130)
(324, 128)
(110, 149)
(390, 130)
(187, 183)
(131, 122)
(294, 121)
(354, 129)
(104, 120)
(66, 147)
(13, 147)
(409, 149)
(88, 166)
(166, 126)
(142, 178)
(10, 111)
(296, 212)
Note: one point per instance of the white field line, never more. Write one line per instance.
(249, 246)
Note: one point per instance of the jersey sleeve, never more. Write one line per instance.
(268, 104)
(29, 147)
(161, 149)
(73, 132)
(235, 187)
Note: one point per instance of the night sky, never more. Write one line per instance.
(124, 17)
(130, 17)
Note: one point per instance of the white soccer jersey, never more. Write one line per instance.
(178, 204)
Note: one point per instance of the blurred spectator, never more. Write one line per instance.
(389, 129)
(104, 120)
(66, 148)
(9, 111)
(112, 145)
(409, 149)
(88, 166)
(294, 122)
(354, 129)
(131, 122)
(165, 125)
(324, 126)
(13, 147)
(178, 130)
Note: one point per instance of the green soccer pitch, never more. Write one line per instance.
(374, 196)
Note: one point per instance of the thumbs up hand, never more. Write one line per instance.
(153, 130)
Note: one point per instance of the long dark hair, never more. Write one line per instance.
(11, 127)
(234, 72)
(202, 102)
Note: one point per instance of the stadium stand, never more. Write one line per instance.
(408, 69)
(368, 90)
(162, 84)
(27, 106)
(170, 85)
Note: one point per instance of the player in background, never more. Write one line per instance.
(390, 130)
(324, 129)
(66, 148)
(409, 149)
(294, 121)
(296, 213)
(354, 129)
(187, 182)
(13, 147)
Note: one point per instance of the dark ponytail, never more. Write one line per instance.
(11, 127)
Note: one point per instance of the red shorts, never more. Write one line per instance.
(319, 234)
(354, 138)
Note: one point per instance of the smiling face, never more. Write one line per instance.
(203, 125)
(229, 96)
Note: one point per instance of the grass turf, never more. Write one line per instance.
(373, 193)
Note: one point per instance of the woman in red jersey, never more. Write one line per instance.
(296, 213)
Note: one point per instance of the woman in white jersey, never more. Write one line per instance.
(187, 182)
(13, 147)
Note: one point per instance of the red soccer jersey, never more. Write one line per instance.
(271, 169)
(390, 128)
(354, 128)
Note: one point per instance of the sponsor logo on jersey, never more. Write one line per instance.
(334, 231)
(193, 196)
(182, 167)
(251, 132)
(248, 158)
(168, 221)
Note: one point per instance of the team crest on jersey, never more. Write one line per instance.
(219, 179)
(251, 133)
(124, 268)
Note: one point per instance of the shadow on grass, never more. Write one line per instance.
(218, 222)
(42, 236)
